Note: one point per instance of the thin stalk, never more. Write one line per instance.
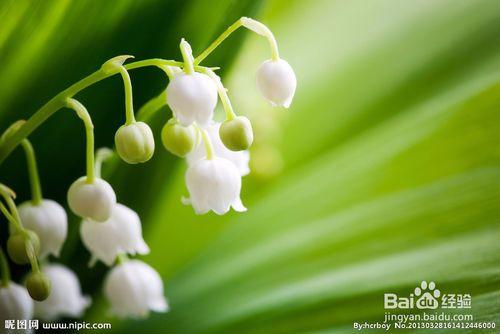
(129, 104)
(82, 112)
(4, 266)
(30, 251)
(13, 222)
(36, 189)
(251, 25)
(209, 150)
(232, 28)
(226, 103)
(102, 155)
(59, 101)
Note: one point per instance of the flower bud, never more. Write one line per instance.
(17, 244)
(94, 200)
(49, 221)
(38, 286)
(277, 82)
(236, 134)
(135, 142)
(192, 98)
(178, 139)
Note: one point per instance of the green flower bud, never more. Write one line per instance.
(38, 286)
(16, 246)
(135, 142)
(237, 134)
(178, 139)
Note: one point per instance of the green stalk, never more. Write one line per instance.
(59, 101)
(82, 112)
(209, 150)
(232, 28)
(36, 189)
(129, 104)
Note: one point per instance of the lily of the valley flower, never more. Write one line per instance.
(94, 200)
(240, 159)
(135, 142)
(65, 299)
(277, 82)
(133, 288)
(192, 98)
(121, 233)
(49, 221)
(214, 184)
(15, 303)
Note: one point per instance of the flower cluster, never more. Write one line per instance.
(217, 156)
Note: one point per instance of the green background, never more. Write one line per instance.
(384, 172)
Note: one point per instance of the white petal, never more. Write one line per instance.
(91, 200)
(15, 303)
(133, 288)
(214, 183)
(192, 98)
(49, 221)
(121, 233)
(65, 299)
(277, 82)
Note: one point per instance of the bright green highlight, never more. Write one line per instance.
(187, 55)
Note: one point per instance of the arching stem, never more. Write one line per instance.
(36, 189)
(102, 155)
(250, 24)
(129, 104)
(82, 112)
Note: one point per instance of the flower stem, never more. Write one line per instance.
(232, 28)
(4, 266)
(129, 104)
(226, 103)
(121, 258)
(59, 101)
(82, 112)
(250, 24)
(36, 189)
(209, 150)
(102, 155)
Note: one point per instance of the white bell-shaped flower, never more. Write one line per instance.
(133, 288)
(94, 200)
(49, 221)
(240, 159)
(192, 98)
(15, 303)
(65, 299)
(214, 184)
(277, 82)
(121, 233)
